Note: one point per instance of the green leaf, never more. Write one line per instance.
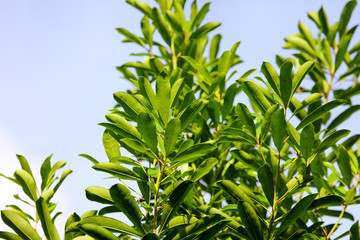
(205, 29)
(307, 35)
(42, 209)
(294, 136)
(250, 220)
(130, 36)
(9, 236)
(140, 5)
(130, 105)
(246, 118)
(331, 140)
(192, 153)
(271, 75)
(278, 128)
(266, 178)
(176, 91)
(343, 161)
(121, 126)
(229, 98)
(62, 178)
(296, 212)
(174, 202)
(171, 135)
(256, 94)
(343, 45)
(24, 164)
(323, 21)
(150, 236)
(286, 82)
(93, 160)
(117, 170)
(354, 231)
(298, 43)
(161, 25)
(112, 225)
(204, 168)
(345, 16)
(111, 146)
(21, 226)
(266, 122)
(97, 232)
(190, 113)
(342, 117)
(199, 17)
(214, 47)
(44, 172)
(163, 95)
(27, 183)
(147, 129)
(211, 232)
(300, 75)
(319, 112)
(327, 201)
(306, 102)
(335, 213)
(99, 194)
(134, 145)
(349, 195)
(127, 204)
(307, 140)
(174, 22)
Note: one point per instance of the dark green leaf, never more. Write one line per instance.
(150, 236)
(319, 113)
(172, 132)
(354, 231)
(306, 102)
(343, 46)
(190, 113)
(204, 168)
(286, 82)
(62, 178)
(246, 118)
(345, 16)
(163, 95)
(266, 122)
(271, 75)
(343, 161)
(174, 201)
(130, 105)
(307, 140)
(147, 129)
(331, 140)
(278, 128)
(161, 25)
(250, 220)
(342, 117)
(256, 94)
(192, 153)
(296, 212)
(266, 179)
(327, 201)
(205, 29)
(97, 232)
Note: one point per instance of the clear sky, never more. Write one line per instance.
(57, 75)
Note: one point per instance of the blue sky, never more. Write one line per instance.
(57, 74)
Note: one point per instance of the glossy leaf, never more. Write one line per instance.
(235, 192)
(117, 170)
(300, 75)
(246, 118)
(163, 95)
(171, 135)
(47, 224)
(331, 140)
(343, 161)
(127, 204)
(278, 128)
(192, 153)
(21, 226)
(147, 129)
(307, 140)
(266, 179)
(174, 201)
(99, 194)
(130, 105)
(97, 232)
(271, 75)
(9, 236)
(256, 94)
(112, 225)
(297, 211)
(286, 82)
(44, 172)
(190, 113)
(27, 183)
(111, 146)
(266, 122)
(250, 220)
(319, 113)
(204, 168)
(307, 101)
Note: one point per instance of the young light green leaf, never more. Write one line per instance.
(21, 226)
(112, 225)
(66, 173)
(174, 201)
(204, 168)
(140, 5)
(132, 144)
(161, 25)
(296, 212)
(99, 194)
(214, 47)
(147, 129)
(111, 146)
(205, 29)
(44, 172)
(306, 102)
(278, 128)
(199, 16)
(343, 161)
(286, 83)
(294, 136)
(121, 126)
(42, 209)
(307, 140)
(300, 44)
(130, 36)
(24, 164)
(343, 46)
(9, 236)
(271, 75)
(27, 183)
(97, 232)
(250, 220)
(117, 170)
(307, 35)
(319, 113)
(127, 204)
(172, 132)
(93, 160)
(174, 22)
(163, 95)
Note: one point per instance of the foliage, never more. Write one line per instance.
(207, 167)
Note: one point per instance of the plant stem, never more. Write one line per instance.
(157, 187)
(337, 223)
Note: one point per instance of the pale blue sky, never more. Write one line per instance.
(57, 74)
